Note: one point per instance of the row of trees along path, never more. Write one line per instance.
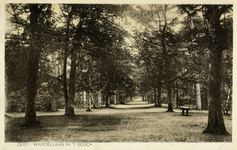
(94, 50)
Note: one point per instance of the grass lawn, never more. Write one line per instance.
(144, 124)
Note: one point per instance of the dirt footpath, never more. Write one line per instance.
(136, 121)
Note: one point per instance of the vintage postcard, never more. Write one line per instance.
(118, 74)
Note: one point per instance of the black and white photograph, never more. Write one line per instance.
(80, 75)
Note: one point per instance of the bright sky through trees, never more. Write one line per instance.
(127, 22)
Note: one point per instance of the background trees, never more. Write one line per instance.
(163, 52)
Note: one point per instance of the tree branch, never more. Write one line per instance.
(156, 44)
(181, 75)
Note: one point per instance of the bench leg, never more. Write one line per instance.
(186, 112)
(183, 112)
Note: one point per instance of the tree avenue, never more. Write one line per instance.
(171, 54)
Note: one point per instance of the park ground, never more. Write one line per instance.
(136, 121)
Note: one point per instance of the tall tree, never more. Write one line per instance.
(68, 19)
(216, 44)
(39, 15)
(33, 62)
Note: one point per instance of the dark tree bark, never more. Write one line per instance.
(148, 98)
(117, 98)
(107, 99)
(169, 92)
(54, 102)
(70, 107)
(168, 82)
(159, 94)
(65, 80)
(123, 99)
(177, 95)
(155, 99)
(65, 64)
(33, 66)
(215, 117)
(167, 63)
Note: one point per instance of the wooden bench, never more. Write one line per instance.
(185, 108)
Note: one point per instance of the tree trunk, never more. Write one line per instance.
(159, 95)
(169, 94)
(117, 98)
(198, 94)
(99, 98)
(155, 99)
(54, 102)
(93, 101)
(168, 82)
(33, 66)
(149, 98)
(215, 117)
(230, 100)
(107, 99)
(70, 105)
(84, 96)
(168, 78)
(177, 95)
(173, 99)
(122, 99)
(89, 102)
(65, 65)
